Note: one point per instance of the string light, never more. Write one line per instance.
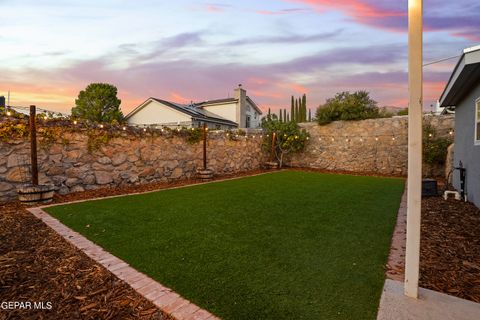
(124, 128)
(393, 138)
(144, 129)
(9, 113)
(376, 138)
(450, 132)
(75, 122)
(101, 126)
(430, 135)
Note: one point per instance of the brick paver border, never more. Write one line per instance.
(164, 298)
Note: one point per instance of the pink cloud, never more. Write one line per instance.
(176, 97)
(214, 8)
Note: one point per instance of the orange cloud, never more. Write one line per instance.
(179, 98)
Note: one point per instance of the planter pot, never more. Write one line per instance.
(31, 195)
(205, 174)
(271, 165)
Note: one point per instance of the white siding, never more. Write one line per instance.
(227, 111)
(155, 112)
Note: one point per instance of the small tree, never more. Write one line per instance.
(98, 103)
(348, 106)
(289, 137)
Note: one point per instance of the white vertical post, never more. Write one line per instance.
(414, 193)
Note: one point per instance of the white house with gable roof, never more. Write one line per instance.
(228, 113)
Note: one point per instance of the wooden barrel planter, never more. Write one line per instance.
(271, 165)
(205, 174)
(31, 195)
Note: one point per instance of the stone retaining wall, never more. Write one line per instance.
(122, 161)
(367, 146)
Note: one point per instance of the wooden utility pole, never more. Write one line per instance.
(272, 152)
(414, 184)
(204, 146)
(33, 145)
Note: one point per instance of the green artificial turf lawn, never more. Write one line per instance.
(284, 245)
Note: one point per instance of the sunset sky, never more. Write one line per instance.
(188, 50)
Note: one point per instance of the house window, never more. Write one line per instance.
(477, 122)
(247, 124)
(217, 127)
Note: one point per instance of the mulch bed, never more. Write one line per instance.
(450, 248)
(38, 265)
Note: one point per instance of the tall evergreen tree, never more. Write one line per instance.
(297, 112)
(269, 112)
(304, 105)
(288, 118)
(292, 111)
(309, 115)
(285, 115)
(280, 118)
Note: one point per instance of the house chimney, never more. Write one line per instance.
(241, 95)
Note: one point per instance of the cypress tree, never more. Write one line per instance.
(309, 115)
(304, 105)
(288, 118)
(292, 111)
(297, 112)
(300, 110)
(285, 115)
(280, 116)
(269, 112)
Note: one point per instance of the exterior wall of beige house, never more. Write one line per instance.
(229, 113)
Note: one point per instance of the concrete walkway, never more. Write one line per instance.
(394, 305)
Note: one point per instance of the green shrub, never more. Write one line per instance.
(349, 106)
(435, 148)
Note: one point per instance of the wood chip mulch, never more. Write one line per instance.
(450, 248)
(38, 265)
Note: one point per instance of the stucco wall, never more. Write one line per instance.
(368, 146)
(465, 149)
(122, 161)
(155, 112)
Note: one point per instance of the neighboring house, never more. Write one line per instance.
(237, 112)
(463, 92)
